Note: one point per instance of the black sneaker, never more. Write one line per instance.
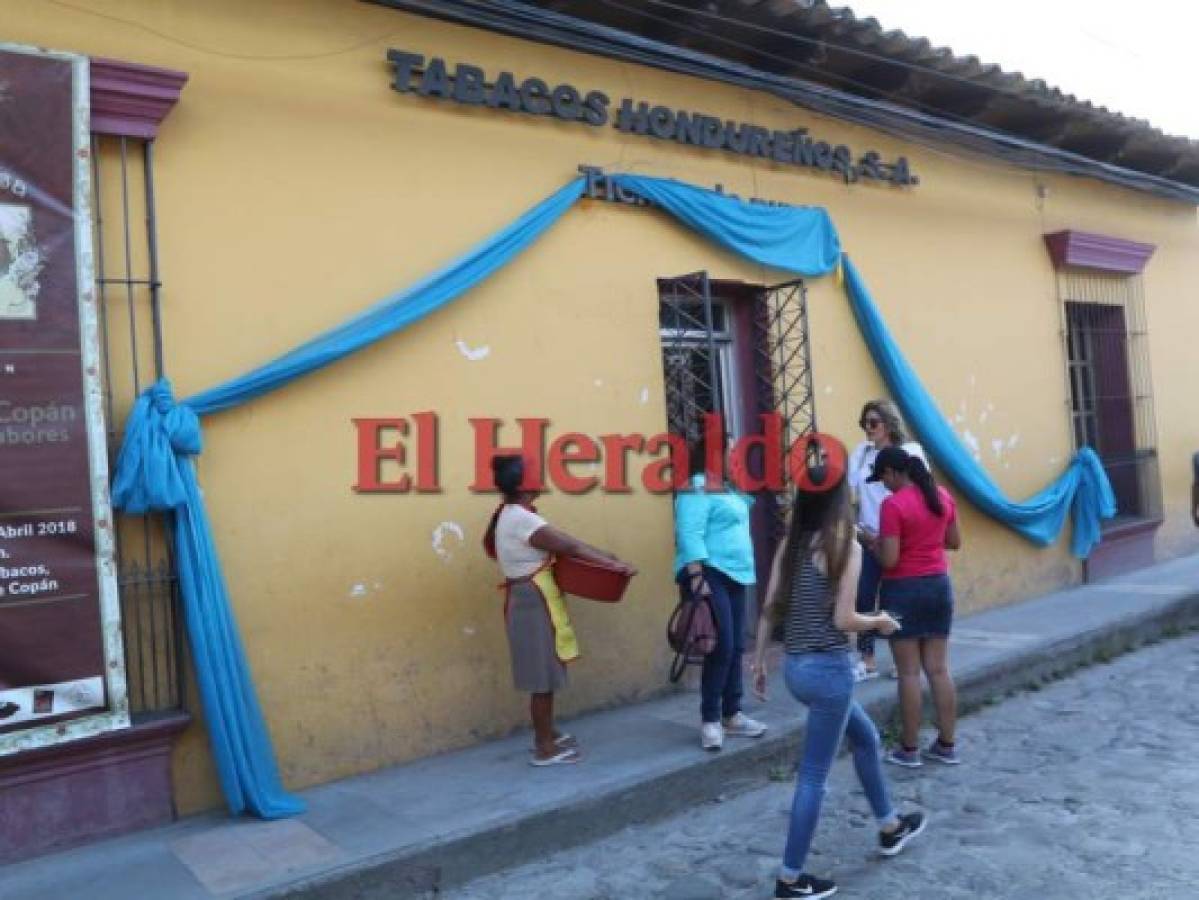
(804, 886)
(909, 826)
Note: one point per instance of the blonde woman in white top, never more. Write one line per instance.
(881, 422)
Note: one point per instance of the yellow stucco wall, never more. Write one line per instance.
(295, 187)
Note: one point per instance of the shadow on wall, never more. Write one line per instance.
(1195, 489)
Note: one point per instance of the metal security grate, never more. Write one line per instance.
(693, 330)
(1106, 342)
(132, 358)
(784, 369)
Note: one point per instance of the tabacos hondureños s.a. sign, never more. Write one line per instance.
(470, 85)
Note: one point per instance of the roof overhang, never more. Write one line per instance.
(1034, 127)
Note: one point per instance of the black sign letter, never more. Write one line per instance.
(566, 102)
(468, 85)
(503, 93)
(404, 63)
(595, 108)
(435, 81)
(661, 122)
(534, 96)
(628, 119)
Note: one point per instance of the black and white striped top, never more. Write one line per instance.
(809, 625)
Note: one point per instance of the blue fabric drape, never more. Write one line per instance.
(1083, 487)
(395, 312)
(155, 470)
(798, 239)
(803, 240)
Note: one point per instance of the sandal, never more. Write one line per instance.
(565, 758)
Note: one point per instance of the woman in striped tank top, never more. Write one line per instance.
(812, 591)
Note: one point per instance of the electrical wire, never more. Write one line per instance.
(792, 63)
(1024, 160)
(199, 48)
(898, 120)
(841, 48)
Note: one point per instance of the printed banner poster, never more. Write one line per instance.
(61, 665)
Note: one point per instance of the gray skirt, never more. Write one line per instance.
(536, 668)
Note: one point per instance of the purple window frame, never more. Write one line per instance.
(131, 99)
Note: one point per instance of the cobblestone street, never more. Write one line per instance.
(1087, 788)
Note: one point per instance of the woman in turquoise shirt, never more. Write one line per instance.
(714, 558)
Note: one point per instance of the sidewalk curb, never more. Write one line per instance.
(453, 859)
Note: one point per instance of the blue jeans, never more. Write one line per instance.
(868, 581)
(721, 683)
(823, 682)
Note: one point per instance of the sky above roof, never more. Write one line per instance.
(1133, 58)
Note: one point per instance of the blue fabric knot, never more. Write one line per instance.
(159, 436)
(180, 424)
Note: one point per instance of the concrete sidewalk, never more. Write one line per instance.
(447, 819)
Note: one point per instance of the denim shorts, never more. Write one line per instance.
(923, 605)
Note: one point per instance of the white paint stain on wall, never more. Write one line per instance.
(474, 354)
(1013, 440)
(599, 382)
(358, 591)
(644, 398)
(971, 441)
(441, 535)
(997, 447)
(469, 630)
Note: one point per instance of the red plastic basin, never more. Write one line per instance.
(589, 580)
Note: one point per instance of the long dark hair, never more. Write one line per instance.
(508, 472)
(819, 520)
(923, 479)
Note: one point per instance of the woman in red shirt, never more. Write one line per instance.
(917, 523)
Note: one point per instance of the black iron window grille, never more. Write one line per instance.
(697, 359)
(126, 253)
(1106, 342)
(696, 342)
(784, 370)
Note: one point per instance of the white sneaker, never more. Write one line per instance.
(861, 673)
(711, 736)
(741, 725)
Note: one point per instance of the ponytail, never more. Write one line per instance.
(923, 479)
(489, 534)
